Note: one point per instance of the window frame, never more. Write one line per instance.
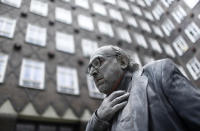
(32, 63)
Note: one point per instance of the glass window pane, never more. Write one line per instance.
(179, 14)
(136, 10)
(99, 8)
(67, 80)
(65, 42)
(105, 28)
(3, 65)
(85, 22)
(145, 26)
(123, 4)
(63, 15)
(14, 3)
(191, 3)
(123, 34)
(39, 7)
(155, 45)
(82, 3)
(131, 21)
(36, 35)
(157, 11)
(7, 27)
(193, 32)
(193, 67)
(168, 50)
(140, 40)
(88, 47)
(115, 15)
(180, 45)
(32, 74)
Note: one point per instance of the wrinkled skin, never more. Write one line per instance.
(107, 79)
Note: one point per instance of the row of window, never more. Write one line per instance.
(65, 42)
(86, 22)
(82, 3)
(32, 74)
(38, 35)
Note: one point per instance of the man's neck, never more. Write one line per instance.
(124, 83)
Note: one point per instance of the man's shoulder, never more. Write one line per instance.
(158, 63)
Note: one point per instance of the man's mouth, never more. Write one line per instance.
(99, 81)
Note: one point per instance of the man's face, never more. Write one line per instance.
(105, 70)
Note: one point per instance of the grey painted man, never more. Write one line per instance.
(156, 97)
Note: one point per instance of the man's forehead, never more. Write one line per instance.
(104, 51)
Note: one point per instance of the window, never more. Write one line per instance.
(148, 15)
(179, 14)
(123, 34)
(14, 3)
(140, 40)
(141, 3)
(157, 11)
(136, 10)
(168, 50)
(82, 3)
(93, 91)
(3, 65)
(131, 21)
(63, 15)
(65, 42)
(115, 15)
(32, 74)
(168, 26)
(148, 2)
(147, 59)
(39, 7)
(191, 3)
(105, 28)
(88, 47)
(67, 80)
(180, 45)
(123, 4)
(145, 26)
(7, 27)
(111, 1)
(193, 32)
(36, 35)
(167, 3)
(155, 45)
(85, 22)
(157, 30)
(99, 8)
(193, 67)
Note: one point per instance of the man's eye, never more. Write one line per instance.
(96, 63)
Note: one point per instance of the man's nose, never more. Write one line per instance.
(93, 71)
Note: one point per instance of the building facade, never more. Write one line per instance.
(45, 47)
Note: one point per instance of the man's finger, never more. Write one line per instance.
(120, 99)
(119, 106)
(116, 94)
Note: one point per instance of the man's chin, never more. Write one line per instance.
(103, 89)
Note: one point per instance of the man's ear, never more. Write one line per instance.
(123, 61)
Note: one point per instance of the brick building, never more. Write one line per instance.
(45, 47)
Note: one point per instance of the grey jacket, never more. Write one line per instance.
(161, 99)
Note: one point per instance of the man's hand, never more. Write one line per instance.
(111, 104)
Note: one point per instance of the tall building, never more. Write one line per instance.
(45, 47)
